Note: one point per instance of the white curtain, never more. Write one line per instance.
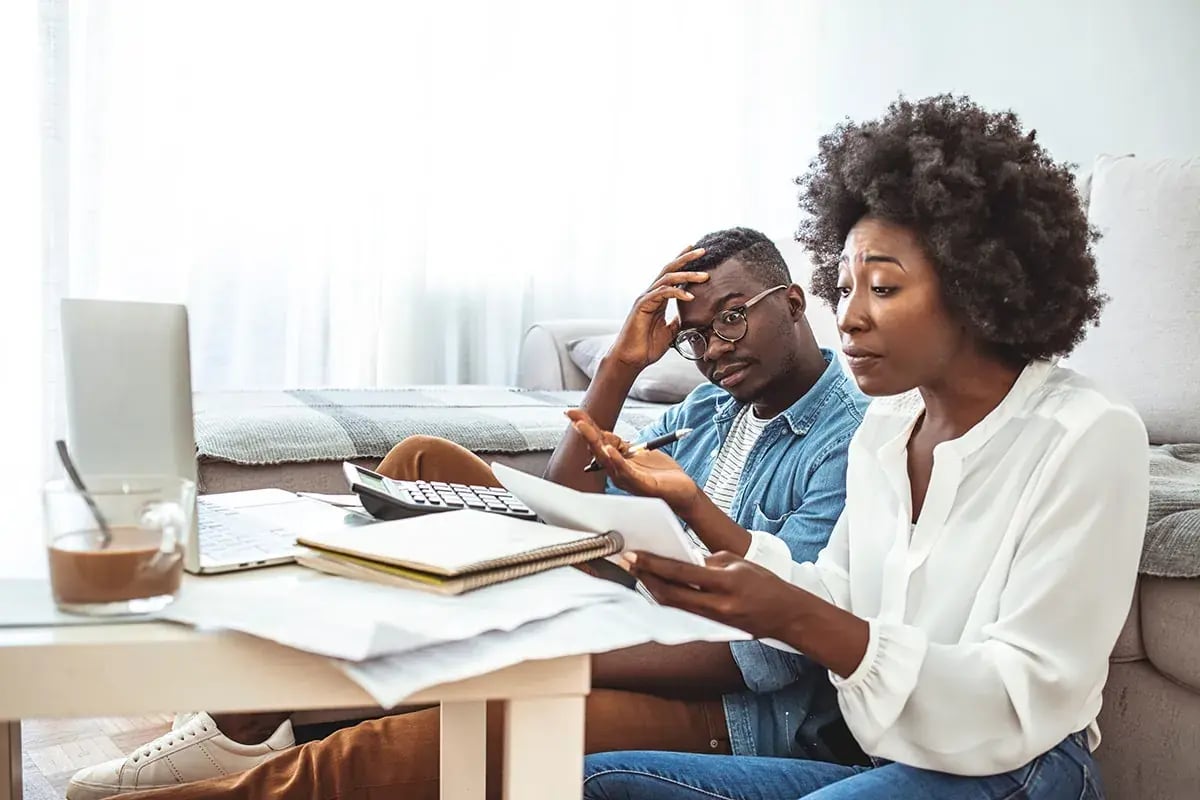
(379, 193)
(21, 342)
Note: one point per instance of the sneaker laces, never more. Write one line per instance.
(170, 739)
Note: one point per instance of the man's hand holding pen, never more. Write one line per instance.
(645, 472)
(653, 444)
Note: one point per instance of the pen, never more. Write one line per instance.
(653, 444)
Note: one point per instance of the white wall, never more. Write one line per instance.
(1092, 76)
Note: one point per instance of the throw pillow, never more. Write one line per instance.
(1148, 212)
(668, 380)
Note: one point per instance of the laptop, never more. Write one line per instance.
(129, 410)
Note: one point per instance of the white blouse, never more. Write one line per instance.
(992, 619)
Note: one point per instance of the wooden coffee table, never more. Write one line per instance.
(128, 669)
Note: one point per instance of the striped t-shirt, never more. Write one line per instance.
(723, 481)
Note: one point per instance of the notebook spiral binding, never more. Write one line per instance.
(604, 544)
(506, 569)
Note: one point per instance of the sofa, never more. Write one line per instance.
(1148, 214)
(1149, 261)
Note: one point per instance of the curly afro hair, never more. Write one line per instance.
(1002, 222)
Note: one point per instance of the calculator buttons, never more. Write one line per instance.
(422, 497)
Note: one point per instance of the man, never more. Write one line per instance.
(768, 448)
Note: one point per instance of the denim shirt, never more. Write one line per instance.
(793, 485)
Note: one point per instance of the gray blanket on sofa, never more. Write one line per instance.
(1172, 548)
(264, 427)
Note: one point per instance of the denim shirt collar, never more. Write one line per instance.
(801, 414)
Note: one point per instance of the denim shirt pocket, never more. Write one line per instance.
(761, 521)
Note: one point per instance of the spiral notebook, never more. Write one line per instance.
(452, 552)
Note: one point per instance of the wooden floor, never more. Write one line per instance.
(54, 749)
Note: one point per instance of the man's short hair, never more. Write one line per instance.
(752, 248)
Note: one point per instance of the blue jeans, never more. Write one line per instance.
(1065, 773)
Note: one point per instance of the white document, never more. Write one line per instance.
(591, 629)
(355, 620)
(646, 523)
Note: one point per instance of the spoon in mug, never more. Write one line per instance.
(73, 474)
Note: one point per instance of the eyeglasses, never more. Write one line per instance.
(730, 325)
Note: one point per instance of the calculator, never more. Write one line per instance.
(384, 498)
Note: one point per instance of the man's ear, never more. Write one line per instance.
(797, 301)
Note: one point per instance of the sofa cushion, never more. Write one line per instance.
(1148, 213)
(668, 380)
(1129, 643)
(1170, 622)
(1151, 730)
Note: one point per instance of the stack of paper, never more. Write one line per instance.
(394, 642)
(589, 629)
(356, 620)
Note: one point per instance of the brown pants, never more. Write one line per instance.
(396, 757)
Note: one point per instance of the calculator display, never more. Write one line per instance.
(372, 481)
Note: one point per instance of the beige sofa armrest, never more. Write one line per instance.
(543, 362)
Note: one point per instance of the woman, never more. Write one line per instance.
(971, 592)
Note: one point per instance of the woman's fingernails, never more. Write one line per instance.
(630, 557)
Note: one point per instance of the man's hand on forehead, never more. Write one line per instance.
(647, 333)
(676, 273)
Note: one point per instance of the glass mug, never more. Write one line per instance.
(138, 565)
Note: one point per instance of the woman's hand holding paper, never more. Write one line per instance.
(743, 595)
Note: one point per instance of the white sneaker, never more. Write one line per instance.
(193, 750)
